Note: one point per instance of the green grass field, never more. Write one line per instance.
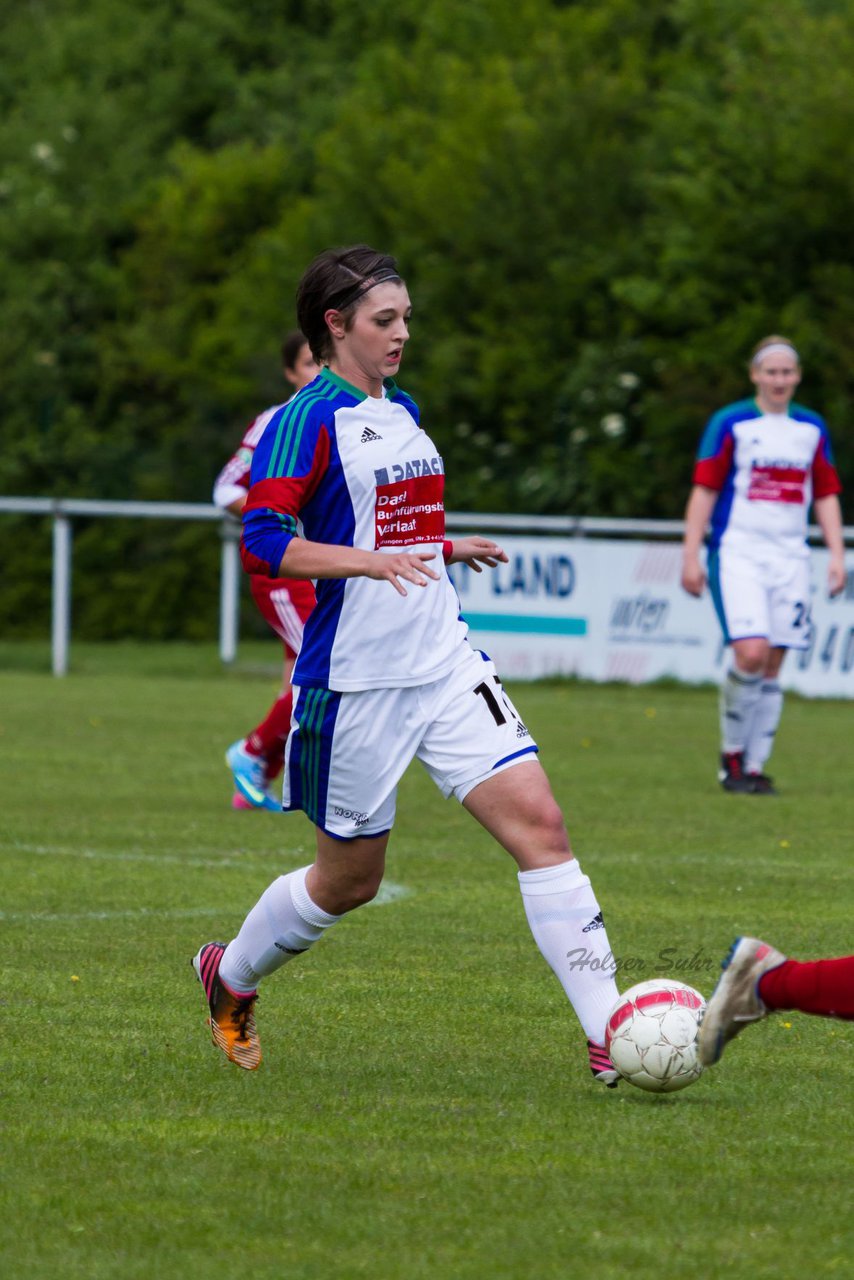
(424, 1108)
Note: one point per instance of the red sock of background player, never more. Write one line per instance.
(268, 740)
(816, 986)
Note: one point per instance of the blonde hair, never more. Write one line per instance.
(777, 341)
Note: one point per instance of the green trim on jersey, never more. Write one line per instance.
(342, 384)
(289, 432)
(391, 388)
(291, 425)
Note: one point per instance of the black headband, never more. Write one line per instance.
(356, 291)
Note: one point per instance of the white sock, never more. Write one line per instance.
(766, 717)
(567, 925)
(738, 699)
(283, 923)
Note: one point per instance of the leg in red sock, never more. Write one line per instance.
(268, 739)
(814, 986)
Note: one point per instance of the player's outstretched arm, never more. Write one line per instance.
(305, 559)
(475, 551)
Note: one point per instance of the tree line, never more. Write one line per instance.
(598, 208)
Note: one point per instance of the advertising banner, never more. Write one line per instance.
(611, 609)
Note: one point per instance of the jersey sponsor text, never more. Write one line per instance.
(410, 511)
(770, 483)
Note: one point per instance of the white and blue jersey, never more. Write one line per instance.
(767, 469)
(346, 469)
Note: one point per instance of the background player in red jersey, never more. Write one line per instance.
(285, 603)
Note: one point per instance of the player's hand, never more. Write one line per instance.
(836, 577)
(693, 577)
(406, 566)
(475, 551)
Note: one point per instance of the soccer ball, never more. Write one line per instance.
(651, 1035)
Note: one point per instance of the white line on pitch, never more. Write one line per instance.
(67, 851)
(69, 917)
(389, 892)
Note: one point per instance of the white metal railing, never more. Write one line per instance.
(63, 510)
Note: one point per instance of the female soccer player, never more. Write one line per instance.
(285, 603)
(761, 463)
(347, 489)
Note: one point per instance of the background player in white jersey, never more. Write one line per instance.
(760, 465)
(348, 489)
(285, 603)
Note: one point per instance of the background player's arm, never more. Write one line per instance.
(230, 494)
(701, 503)
(828, 513)
(238, 504)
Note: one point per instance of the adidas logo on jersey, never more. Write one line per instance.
(521, 730)
(368, 435)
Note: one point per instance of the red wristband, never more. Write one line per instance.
(447, 550)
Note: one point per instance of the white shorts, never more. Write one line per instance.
(347, 752)
(769, 598)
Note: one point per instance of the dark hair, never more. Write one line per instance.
(291, 347)
(337, 280)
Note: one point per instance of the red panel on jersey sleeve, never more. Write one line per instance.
(410, 511)
(272, 510)
(712, 472)
(285, 495)
(825, 477)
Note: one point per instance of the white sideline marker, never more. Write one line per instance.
(388, 891)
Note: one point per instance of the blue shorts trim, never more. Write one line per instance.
(525, 751)
(370, 835)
